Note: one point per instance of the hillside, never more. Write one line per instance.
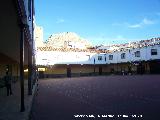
(68, 40)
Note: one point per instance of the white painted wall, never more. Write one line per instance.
(55, 57)
(145, 54)
(152, 57)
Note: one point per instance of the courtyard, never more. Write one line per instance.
(94, 98)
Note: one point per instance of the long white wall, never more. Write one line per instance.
(145, 54)
(56, 57)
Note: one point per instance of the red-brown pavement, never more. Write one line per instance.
(134, 97)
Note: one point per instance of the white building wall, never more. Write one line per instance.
(152, 57)
(115, 57)
(142, 54)
(103, 55)
(55, 57)
(126, 59)
(145, 54)
(38, 36)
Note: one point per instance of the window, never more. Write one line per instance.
(137, 54)
(110, 57)
(153, 51)
(99, 57)
(123, 55)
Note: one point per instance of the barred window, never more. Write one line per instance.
(153, 51)
(110, 57)
(99, 57)
(123, 55)
(137, 54)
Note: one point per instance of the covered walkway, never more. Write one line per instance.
(16, 54)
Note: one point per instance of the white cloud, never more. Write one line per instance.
(135, 26)
(60, 21)
(147, 21)
(144, 22)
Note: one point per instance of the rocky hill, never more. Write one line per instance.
(67, 40)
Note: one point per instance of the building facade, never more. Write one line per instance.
(138, 58)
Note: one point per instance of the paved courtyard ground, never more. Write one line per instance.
(10, 105)
(98, 98)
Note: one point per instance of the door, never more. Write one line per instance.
(100, 70)
(68, 72)
(154, 67)
(140, 69)
(41, 74)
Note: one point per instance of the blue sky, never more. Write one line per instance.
(100, 21)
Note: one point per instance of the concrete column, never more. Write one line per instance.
(22, 109)
(30, 70)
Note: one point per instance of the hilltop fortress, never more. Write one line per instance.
(67, 54)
